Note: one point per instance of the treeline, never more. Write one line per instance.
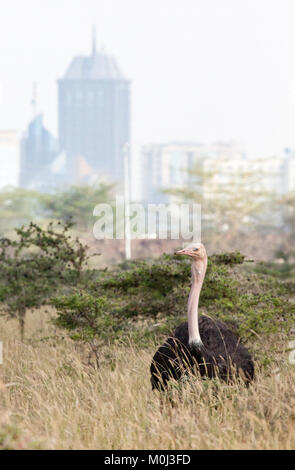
(237, 214)
(21, 206)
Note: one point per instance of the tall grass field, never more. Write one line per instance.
(54, 394)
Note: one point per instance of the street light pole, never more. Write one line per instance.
(127, 202)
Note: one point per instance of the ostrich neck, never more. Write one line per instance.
(198, 273)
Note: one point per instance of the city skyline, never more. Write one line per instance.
(240, 87)
(94, 127)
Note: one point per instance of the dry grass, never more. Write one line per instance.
(52, 398)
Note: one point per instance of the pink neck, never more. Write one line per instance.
(198, 274)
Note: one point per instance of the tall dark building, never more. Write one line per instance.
(94, 114)
(39, 149)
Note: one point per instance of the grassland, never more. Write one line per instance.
(54, 395)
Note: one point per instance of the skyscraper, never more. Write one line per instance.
(39, 149)
(94, 114)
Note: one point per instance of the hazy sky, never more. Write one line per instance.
(201, 70)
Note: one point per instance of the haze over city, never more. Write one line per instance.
(147, 227)
(200, 71)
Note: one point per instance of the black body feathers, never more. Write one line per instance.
(221, 355)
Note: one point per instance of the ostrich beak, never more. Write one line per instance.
(184, 251)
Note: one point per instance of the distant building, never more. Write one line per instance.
(9, 158)
(94, 115)
(39, 149)
(261, 175)
(273, 174)
(166, 166)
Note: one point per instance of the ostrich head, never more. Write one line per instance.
(196, 251)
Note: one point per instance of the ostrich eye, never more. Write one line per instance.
(195, 249)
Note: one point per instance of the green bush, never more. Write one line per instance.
(147, 299)
(36, 265)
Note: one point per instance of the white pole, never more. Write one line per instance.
(127, 202)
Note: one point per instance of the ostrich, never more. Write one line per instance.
(201, 344)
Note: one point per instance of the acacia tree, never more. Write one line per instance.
(35, 266)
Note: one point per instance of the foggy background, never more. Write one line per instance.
(213, 70)
(207, 101)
